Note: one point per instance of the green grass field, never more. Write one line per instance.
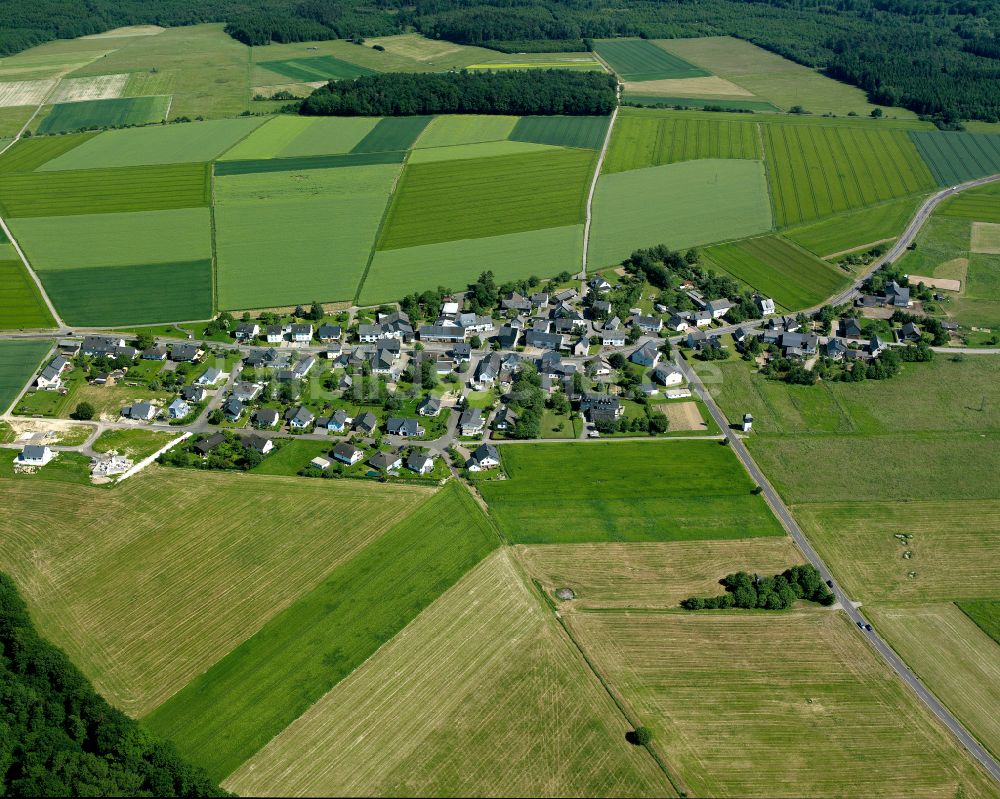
(162, 144)
(643, 139)
(321, 67)
(327, 217)
(956, 157)
(818, 170)
(626, 491)
(124, 111)
(288, 136)
(452, 200)
(29, 154)
(85, 240)
(486, 149)
(560, 131)
(680, 205)
(640, 59)
(500, 703)
(21, 305)
(455, 264)
(228, 713)
(779, 269)
(293, 456)
(981, 204)
(18, 362)
(634, 98)
(392, 134)
(781, 704)
(135, 444)
(132, 295)
(853, 230)
(986, 614)
(451, 129)
(97, 191)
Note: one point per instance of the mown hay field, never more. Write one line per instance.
(24, 92)
(953, 550)
(302, 163)
(115, 239)
(643, 139)
(952, 657)
(392, 134)
(954, 157)
(96, 191)
(21, 305)
(327, 217)
(290, 136)
(986, 614)
(321, 67)
(818, 170)
(190, 142)
(486, 149)
(640, 59)
(451, 129)
(120, 112)
(455, 264)
(651, 574)
(27, 155)
(18, 362)
(853, 230)
(148, 585)
(562, 131)
(227, 713)
(982, 204)
(481, 694)
(680, 205)
(98, 87)
(781, 704)
(451, 200)
(625, 491)
(776, 268)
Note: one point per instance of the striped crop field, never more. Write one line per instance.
(562, 131)
(304, 162)
(818, 170)
(29, 154)
(486, 690)
(172, 587)
(776, 268)
(392, 134)
(451, 129)
(68, 117)
(450, 200)
(955, 157)
(314, 68)
(100, 191)
(18, 362)
(289, 136)
(21, 305)
(640, 59)
(980, 204)
(227, 713)
(853, 230)
(643, 139)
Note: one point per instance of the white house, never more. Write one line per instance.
(677, 393)
(301, 333)
(34, 455)
(178, 409)
(50, 378)
(347, 453)
(669, 375)
(766, 304)
(485, 457)
(210, 377)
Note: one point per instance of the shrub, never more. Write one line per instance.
(83, 412)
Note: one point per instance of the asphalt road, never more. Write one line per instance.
(985, 759)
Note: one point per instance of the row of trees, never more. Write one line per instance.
(58, 737)
(550, 91)
(779, 592)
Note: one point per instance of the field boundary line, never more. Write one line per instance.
(34, 275)
(593, 184)
(212, 236)
(381, 225)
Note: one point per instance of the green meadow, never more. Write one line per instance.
(640, 59)
(21, 305)
(18, 361)
(852, 230)
(120, 112)
(289, 136)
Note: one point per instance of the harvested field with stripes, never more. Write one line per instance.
(26, 155)
(647, 138)
(146, 604)
(818, 170)
(98, 87)
(24, 92)
(488, 697)
(955, 157)
(787, 704)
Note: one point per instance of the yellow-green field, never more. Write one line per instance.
(783, 704)
(148, 585)
(482, 694)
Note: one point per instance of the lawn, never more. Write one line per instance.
(680, 205)
(781, 704)
(96, 191)
(652, 574)
(148, 585)
(21, 305)
(66, 467)
(18, 362)
(135, 444)
(640, 59)
(455, 264)
(562, 131)
(986, 614)
(226, 714)
(853, 230)
(161, 144)
(451, 129)
(134, 294)
(291, 136)
(292, 456)
(952, 657)
(644, 138)
(956, 157)
(776, 268)
(625, 491)
(819, 170)
(451, 200)
(316, 68)
(113, 113)
(115, 239)
(500, 704)
(327, 217)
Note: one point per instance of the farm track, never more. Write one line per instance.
(593, 188)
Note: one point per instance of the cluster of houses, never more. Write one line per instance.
(894, 296)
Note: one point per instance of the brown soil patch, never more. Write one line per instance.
(683, 416)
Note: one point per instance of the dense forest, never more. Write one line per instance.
(59, 738)
(940, 58)
(549, 91)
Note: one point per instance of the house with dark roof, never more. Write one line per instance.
(910, 332)
(206, 445)
(299, 418)
(366, 422)
(233, 408)
(50, 378)
(404, 427)
(265, 418)
(258, 443)
(897, 296)
(347, 453)
(600, 406)
(543, 341)
(446, 333)
(327, 332)
(301, 332)
(34, 455)
(485, 456)
(430, 406)
(834, 348)
(155, 353)
(648, 355)
(246, 331)
(471, 422)
(247, 392)
(193, 393)
(140, 411)
(420, 462)
(385, 461)
(186, 353)
(849, 328)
